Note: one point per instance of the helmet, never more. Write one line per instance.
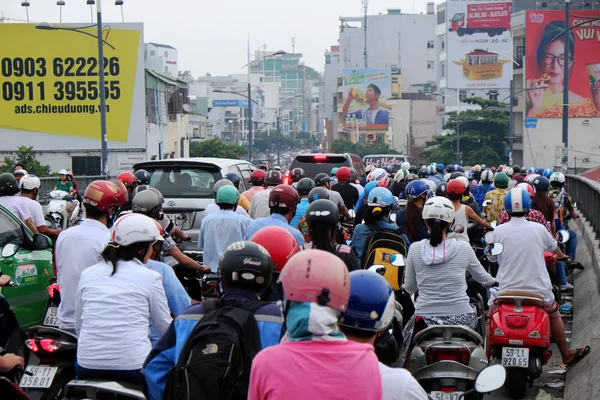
(123, 195)
(370, 186)
(62, 172)
(455, 186)
(483, 167)
(527, 187)
(279, 243)
(143, 176)
(450, 169)
(21, 172)
(500, 168)
(377, 174)
(440, 168)
(439, 207)
(493, 169)
(508, 171)
(220, 183)
(431, 170)
(410, 177)
(413, 169)
(423, 173)
(469, 175)
(372, 303)
(318, 193)
(343, 174)
(447, 178)
(477, 168)
(297, 174)
(8, 184)
(258, 177)
(160, 196)
(487, 176)
(517, 200)
(283, 196)
(368, 169)
(316, 276)
(305, 185)
(464, 181)
(458, 167)
(227, 195)
(334, 171)
(405, 165)
(501, 180)
(138, 189)
(529, 178)
(440, 189)
(321, 179)
(145, 202)
(322, 211)
(531, 170)
(135, 228)
(102, 195)
(128, 178)
(541, 183)
(415, 189)
(401, 174)
(246, 264)
(273, 178)
(234, 178)
(380, 197)
(517, 169)
(558, 177)
(388, 168)
(385, 183)
(30, 182)
(353, 174)
(456, 174)
(539, 171)
(547, 173)
(277, 168)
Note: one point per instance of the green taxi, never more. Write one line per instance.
(27, 258)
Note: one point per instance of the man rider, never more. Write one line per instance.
(485, 186)
(259, 208)
(258, 181)
(296, 174)
(348, 192)
(323, 180)
(304, 186)
(30, 186)
(15, 204)
(354, 181)
(496, 197)
(236, 180)
(566, 211)
(131, 182)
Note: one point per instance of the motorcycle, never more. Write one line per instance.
(57, 211)
(100, 389)
(198, 284)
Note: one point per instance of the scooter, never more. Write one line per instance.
(99, 389)
(57, 210)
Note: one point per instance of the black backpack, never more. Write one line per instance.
(379, 247)
(215, 361)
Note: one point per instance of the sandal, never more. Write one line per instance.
(579, 355)
(575, 265)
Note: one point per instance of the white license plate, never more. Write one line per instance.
(41, 377)
(516, 357)
(51, 318)
(445, 395)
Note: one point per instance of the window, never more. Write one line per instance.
(89, 166)
(441, 17)
(443, 69)
(327, 59)
(184, 181)
(152, 53)
(430, 44)
(462, 96)
(429, 64)
(182, 147)
(246, 171)
(166, 69)
(442, 43)
(380, 138)
(166, 54)
(10, 231)
(493, 95)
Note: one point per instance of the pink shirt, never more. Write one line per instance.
(249, 194)
(336, 369)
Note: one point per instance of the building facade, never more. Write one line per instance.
(162, 58)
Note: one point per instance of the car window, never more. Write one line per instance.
(10, 230)
(314, 164)
(182, 182)
(246, 172)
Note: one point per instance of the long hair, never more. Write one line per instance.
(113, 253)
(438, 228)
(544, 204)
(413, 218)
(320, 234)
(375, 213)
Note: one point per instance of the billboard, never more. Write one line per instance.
(479, 44)
(365, 96)
(49, 85)
(546, 59)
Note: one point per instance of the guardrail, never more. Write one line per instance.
(586, 194)
(48, 183)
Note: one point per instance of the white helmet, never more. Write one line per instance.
(21, 172)
(400, 175)
(557, 177)
(405, 165)
(439, 207)
(377, 175)
(369, 168)
(30, 182)
(135, 228)
(464, 180)
(508, 171)
(63, 172)
(447, 177)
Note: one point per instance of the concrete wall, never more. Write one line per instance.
(332, 70)
(164, 59)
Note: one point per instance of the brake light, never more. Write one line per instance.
(517, 321)
(50, 345)
(53, 289)
(449, 389)
(30, 343)
(436, 354)
(320, 157)
(287, 178)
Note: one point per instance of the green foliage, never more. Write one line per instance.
(185, 76)
(262, 140)
(313, 75)
(26, 156)
(361, 150)
(215, 148)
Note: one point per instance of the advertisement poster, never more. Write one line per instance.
(366, 93)
(546, 59)
(49, 80)
(479, 44)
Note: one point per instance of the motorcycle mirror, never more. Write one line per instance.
(380, 269)
(352, 213)
(494, 249)
(493, 224)
(9, 250)
(563, 236)
(487, 203)
(490, 379)
(397, 260)
(393, 217)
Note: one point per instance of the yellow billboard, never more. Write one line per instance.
(49, 80)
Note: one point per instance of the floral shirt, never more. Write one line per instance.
(532, 216)
(494, 210)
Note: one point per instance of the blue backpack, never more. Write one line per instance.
(480, 193)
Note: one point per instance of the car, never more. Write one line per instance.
(187, 186)
(27, 258)
(316, 163)
(383, 160)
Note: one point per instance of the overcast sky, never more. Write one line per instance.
(211, 36)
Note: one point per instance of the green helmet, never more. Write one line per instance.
(228, 195)
(304, 186)
(501, 180)
(334, 170)
(8, 185)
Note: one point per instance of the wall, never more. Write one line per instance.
(332, 70)
(165, 59)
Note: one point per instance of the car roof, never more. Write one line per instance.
(219, 162)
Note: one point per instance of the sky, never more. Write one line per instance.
(211, 36)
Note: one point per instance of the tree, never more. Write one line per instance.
(26, 156)
(361, 150)
(185, 76)
(215, 148)
(313, 75)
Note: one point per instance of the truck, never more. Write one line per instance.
(490, 18)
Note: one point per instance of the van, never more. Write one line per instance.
(384, 160)
(316, 163)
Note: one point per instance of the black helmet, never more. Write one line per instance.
(143, 176)
(246, 264)
(318, 193)
(423, 173)
(440, 190)
(516, 169)
(322, 211)
(321, 179)
(8, 184)
(273, 178)
(234, 178)
(456, 174)
(297, 174)
(413, 169)
(410, 178)
(304, 186)
(450, 169)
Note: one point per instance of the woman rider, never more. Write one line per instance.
(409, 219)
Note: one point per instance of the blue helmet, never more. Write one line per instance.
(370, 186)
(372, 303)
(468, 175)
(415, 189)
(458, 168)
(517, 201)
(531, 170)
(380, 197)
(440, 167)
(539, 171)
(547, 173)
(450, 169)
(541, 183)
(234, 178)
(431, 170)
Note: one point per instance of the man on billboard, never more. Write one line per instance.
(374, 115)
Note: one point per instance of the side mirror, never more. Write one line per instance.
(393, 217)
(563, 236)
(490, 379)
(494, 224)
(380, 269)
(494, 249)
(397, 260)
(9, 250)
(352, 213)
(487, 203)
(41, 242)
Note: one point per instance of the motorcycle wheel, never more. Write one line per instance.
(517, 380)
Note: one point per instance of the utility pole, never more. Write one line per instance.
(565, 116)
(510, 122)
(104, 163)
(293, 45)
(249, 107)
(278, 141)
(365, 7)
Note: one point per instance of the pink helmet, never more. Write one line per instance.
(316, 276)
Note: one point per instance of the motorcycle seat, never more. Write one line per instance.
(528, 298)
(447, 333)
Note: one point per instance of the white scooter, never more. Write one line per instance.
(57, 210)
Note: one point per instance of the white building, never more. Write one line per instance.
(161, 57)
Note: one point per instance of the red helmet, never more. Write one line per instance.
(258, 177)
(493, 169)
(123, 194)
(455, 186)
(102, 195)
(280, 244)
(385, 183)
(500, 168)
(283, 196)
(343, 174)
(128, 178)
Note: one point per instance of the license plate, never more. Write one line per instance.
(51, 318)
(41, 377)
(516, 357)
(446, 395)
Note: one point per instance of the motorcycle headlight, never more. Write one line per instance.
(185, 220)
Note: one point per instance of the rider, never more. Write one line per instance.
(518, 174)
(213, 207)
(565, 209)
(440, 168)
(303, 186)
(533, 215)
(131, 182)
(65, 185)
(542, 201)
(9, 361)
(334, 171)
(496, 197)
(463, 213)
(143, 176)
(258, 181)
(246, 270)
(424, 176)
(348, 192)
(19, 174)
(236, 180)
(523, 267)
(30, 186)
(259, 207)
(510, 173)
(432, 174)
(354, 181)
(316, 286)
(323, 180)
(467, 198)
(369, 314)
(15, 204)
(296, 174)
(410, 219)
(487, 178)
(399, 183)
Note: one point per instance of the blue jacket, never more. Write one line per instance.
(480, 193)
(166, 351)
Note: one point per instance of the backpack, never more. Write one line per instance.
(379, 247)
(480, 193)
(216, 359)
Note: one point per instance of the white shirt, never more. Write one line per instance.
(460, 219)
(214, 207)
(521, 265)
(398, 384)
(35, 211)
(76, 249)
(113, 313)
(16, 205)
(259, 208)
(358, 187)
